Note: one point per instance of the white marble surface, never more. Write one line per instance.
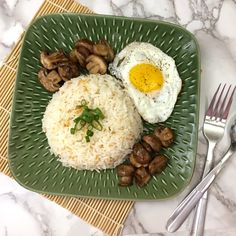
(213, 23)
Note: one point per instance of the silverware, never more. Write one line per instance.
(213, 130)
(206, 182)
(200, 211)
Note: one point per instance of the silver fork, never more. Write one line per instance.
(213, 129)
(206, 182)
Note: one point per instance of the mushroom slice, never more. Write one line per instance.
(125, 181)
(80, 54)
(68, 71)
(133, 161)
(125, 170)
(85, 43)
(73, 56)
(140, 154)
(158, 164)
(147, 146)
(165, 134)
(153, 141)
(50, 81)
(52, 60)
(103, 48)
(96, 65)
(142, 176)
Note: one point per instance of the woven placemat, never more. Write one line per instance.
(107, 215)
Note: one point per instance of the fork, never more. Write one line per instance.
(217, 118)
(206, 182)
(213, 130)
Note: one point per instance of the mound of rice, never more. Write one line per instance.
(108, 148)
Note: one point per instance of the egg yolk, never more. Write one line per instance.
(146, 77)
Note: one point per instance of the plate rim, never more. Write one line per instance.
(137, 19)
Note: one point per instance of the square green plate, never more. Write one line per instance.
(30, 160)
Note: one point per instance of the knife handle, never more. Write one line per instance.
(186, 206)
(183, 210)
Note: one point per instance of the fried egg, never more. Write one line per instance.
(151, 79)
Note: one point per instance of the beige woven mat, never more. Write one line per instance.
(107, 215)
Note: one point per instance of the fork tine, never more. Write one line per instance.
(210, 108)
(215, 112)
(223, 103)
(225, 114)
(221, 110)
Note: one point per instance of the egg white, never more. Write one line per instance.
(155, 106)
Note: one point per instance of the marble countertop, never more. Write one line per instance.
(213, 23)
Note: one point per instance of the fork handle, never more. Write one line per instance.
(199, 217)
(186, 206)
(200, 211)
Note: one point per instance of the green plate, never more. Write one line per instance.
(30, 160)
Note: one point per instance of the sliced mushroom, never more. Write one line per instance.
(142, 176)
(102, 48)
(125, 170)
(68, 71)
(80, 54)
(83, 48)
(125, 181)
(140, 154)
(158, 164)
(73, 56)
(85, 43)
(96, 65)
(52, 60)
(165, 134)
(147, 146)
(50, 81)
(153, 141)
(134, 162)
